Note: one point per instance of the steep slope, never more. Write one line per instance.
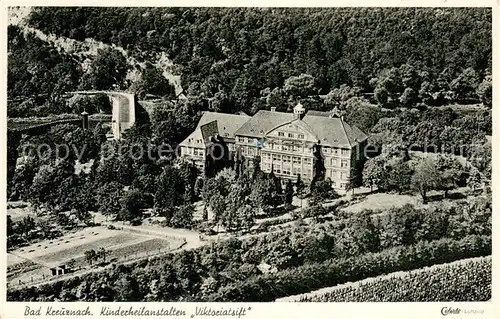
(85, 51)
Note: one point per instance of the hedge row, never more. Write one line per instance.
(463, 280)
(269, 287)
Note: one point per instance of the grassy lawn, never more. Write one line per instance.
(120, 245)
(133, 249)
(19, 209)
(150, 246)
(382, 201)
(418, 155)
(71, 252)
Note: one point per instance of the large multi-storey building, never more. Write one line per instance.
(211, 126)
(291, 144)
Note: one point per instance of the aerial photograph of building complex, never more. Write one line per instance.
(162, 154)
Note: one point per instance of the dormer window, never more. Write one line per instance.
(299, 111)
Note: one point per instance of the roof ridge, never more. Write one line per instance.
(223, 113)
(208, 126)
(311, 130)
(345, 131)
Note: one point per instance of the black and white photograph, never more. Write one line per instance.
(248, 154)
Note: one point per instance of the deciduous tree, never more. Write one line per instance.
(484, 91)
(424, 178)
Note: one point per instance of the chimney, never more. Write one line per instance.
(273, 108)
(85, 120)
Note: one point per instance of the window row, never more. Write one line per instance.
(285, 147)
(193, 151)
(338, 175)
(341, 185)
(336, 151)
(287, 170)
(245, 150)
(286, 158)
(291, 135)
(247, 140)
(338, 162)
(197, 140)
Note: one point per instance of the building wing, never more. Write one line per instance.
(228, 124)
(334, 131)
(194, 139)
(208, 131)
(262, 122)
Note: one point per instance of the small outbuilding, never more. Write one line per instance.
(60, 270)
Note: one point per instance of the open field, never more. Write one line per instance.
(19, 209)
(66, 254)
(33, 263)
(133, 249)
(151, 245)
(466, 108)
(419, 155)
(13, 260)
(63, 248)
(382, 201)
(22, 123)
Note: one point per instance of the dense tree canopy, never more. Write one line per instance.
(228, 269)
(389, 71)
(401, 54)
(37, 75)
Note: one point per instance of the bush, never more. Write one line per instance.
(269, 287)
(347, 249)
(464, 280)
(314, 211)
(277, 221)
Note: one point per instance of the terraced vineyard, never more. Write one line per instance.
(24, 266)
(151, 246)
(71, 252)
(134, 249)
(463, 280)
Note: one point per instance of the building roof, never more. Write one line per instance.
(334, 131)
(228, 124)
(319, 113)
(194, 139)
(262, 122)
(208, 131)
(299, 108)
(329, 131)
(213, 123)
